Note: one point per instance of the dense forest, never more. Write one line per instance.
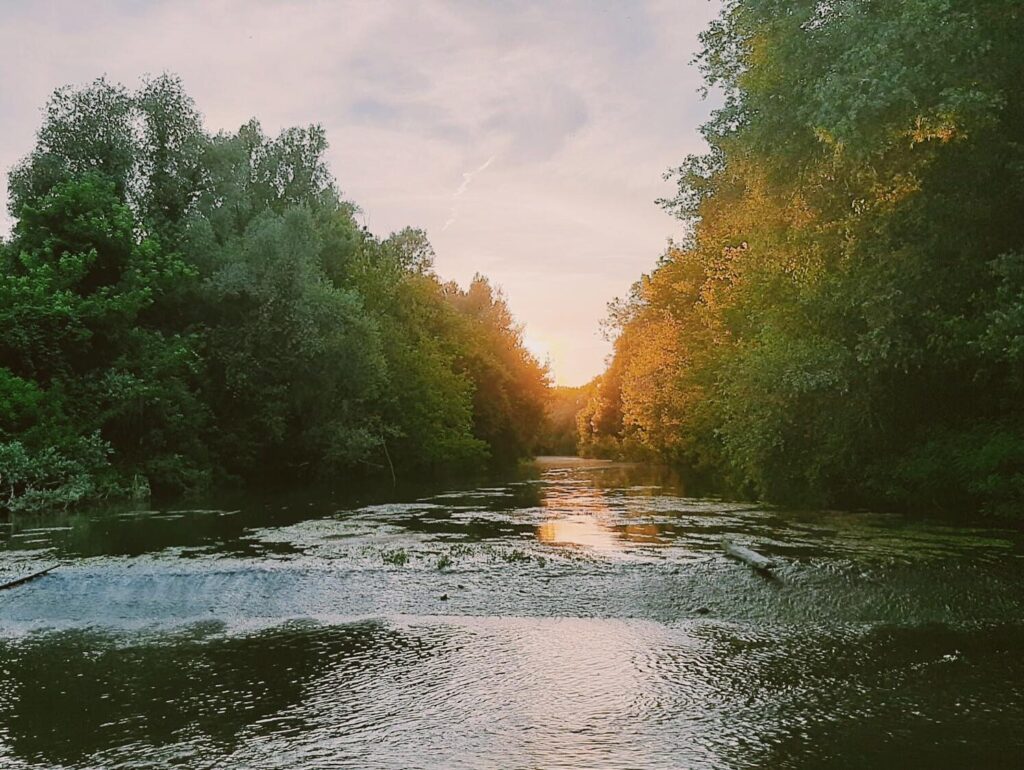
(179, 309)
(844, 323)
(560, 434)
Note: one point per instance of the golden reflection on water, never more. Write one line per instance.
(591, 532)
(579, 531)
(586, 518)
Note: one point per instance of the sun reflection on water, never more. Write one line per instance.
(588, 517)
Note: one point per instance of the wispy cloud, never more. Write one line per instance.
(467, 177)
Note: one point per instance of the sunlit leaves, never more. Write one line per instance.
(848, 301)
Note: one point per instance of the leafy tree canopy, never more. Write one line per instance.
(179, 307)
(842, 326)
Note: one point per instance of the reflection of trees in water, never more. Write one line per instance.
(586, 504)
(151, 531)
(640, 478)
(128, 533)
(224, 524)
(444, 524)
(123, 532)
(67, 696)
(466, 514)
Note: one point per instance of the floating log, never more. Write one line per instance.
(747, 556)
(33, 576)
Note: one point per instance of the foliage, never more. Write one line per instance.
(561, 436)
(53, 477)
(178, 307)
(843, 325)
(510, 385)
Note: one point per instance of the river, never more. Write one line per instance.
(578, 614)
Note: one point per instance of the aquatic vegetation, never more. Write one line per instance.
(399, 557)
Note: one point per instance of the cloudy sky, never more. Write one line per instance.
(527, 138)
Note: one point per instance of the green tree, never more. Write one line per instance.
(178, 308)
(839, 329)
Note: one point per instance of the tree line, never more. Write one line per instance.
(844, 322)
(180, 309)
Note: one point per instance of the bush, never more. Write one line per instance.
(32, 482)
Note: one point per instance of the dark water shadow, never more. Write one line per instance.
(68, 697)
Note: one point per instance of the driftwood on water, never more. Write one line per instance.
(26, 578)
(747, 556)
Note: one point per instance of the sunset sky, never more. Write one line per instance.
(528, 139)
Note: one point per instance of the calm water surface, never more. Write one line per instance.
(581, 615)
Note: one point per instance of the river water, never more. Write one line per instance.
(579, 615)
